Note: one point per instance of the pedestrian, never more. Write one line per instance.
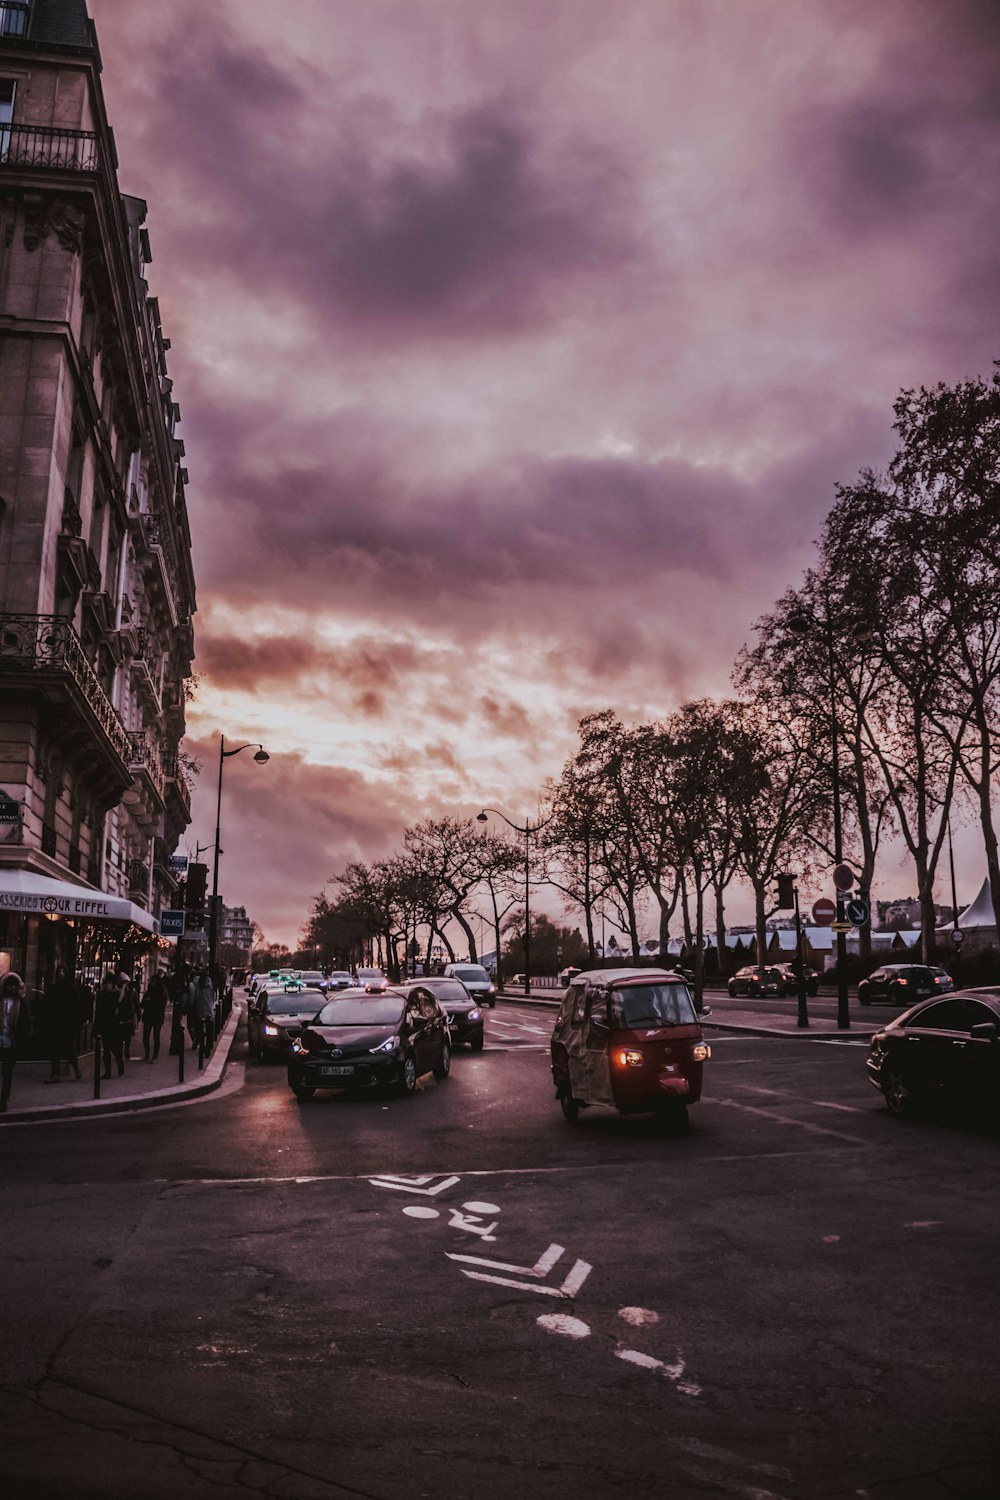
(204, 1004)
(128, 1012)
(154, 1010)
(15, 1024)
(177, 987)
(61, 1008)
(107, 1025)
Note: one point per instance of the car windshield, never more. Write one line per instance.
(294, 1005)
(312, 976)
(383, 1012)
(472, 971)
(370, 974)
(340, 974)
(449, 989)
(653, 1005)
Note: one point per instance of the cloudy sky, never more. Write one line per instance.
(519, 346)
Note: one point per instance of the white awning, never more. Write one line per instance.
(28, 892)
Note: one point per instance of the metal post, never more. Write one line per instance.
(843, 1014)
(800, 970)
(180, 1057)
(97, 1067)
(213, 915)
(527, 913)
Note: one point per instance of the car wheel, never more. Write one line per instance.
(864, 999)
(570, 1108)
(303, 1091)
(895, 1093)
(408, 1081)
(732, 991)
(673, 1119)
(444, 1066)
(476, 1045)
(493, 1005)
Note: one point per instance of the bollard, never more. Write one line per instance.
(180, 1060)
(97, 1067)
(201, 1047)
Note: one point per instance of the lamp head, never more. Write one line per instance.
(482, 818)
(262, 757)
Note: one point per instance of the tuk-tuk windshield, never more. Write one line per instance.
(652, 1005)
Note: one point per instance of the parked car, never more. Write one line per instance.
(757, 981)
(945, 1051)
(465, 1016)
(371, 1040)
(476, 980)
(791, 983)
(275, 1017)
(902, 984)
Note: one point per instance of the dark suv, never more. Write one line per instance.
(904, 984)
(787, 972)
(757, 981)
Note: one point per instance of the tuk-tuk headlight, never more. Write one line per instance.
(630, 1057)
(701, 1051)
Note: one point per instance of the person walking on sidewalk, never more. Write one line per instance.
(61, 1008)
(128, 1012)
(107, 1025)
(154, 1010)
(15, 1024)
(204, 1006)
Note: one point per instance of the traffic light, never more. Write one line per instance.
(785, 892)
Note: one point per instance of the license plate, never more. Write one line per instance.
(337, 1072)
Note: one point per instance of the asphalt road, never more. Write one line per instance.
(797, 1300)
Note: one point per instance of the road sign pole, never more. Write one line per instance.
(843, 1014)
(800, 969)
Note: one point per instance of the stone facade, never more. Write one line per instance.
(96, 584)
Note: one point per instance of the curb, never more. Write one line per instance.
(209, 1079)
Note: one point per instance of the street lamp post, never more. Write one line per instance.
(800, 624)
(527, 831)
(261, 758)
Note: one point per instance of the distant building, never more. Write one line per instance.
(235, 937)
(96, 584)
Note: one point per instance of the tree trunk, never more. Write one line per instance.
(760, 921)
(460, 919)
(720, 930)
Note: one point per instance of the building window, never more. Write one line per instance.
(6, 102)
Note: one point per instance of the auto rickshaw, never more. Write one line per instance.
(630, 1039)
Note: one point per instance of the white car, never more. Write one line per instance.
(372, 980)
(476, 980)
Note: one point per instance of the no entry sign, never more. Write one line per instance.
(824, 912)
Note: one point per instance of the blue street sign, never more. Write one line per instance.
(172, 923)
(859, 911)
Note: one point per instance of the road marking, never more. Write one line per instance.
(569, 1288)
(848, 1109)
(571, 1328)
(638, 1317)
(410, 1184)
(770, 1114)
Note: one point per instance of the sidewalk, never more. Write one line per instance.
(142, 1086)
(729, 1017)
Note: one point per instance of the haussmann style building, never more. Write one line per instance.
(96, 586)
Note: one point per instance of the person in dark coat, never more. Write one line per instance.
(61, 1008)
(107, 1025)
(128, 1012)
(154, 1010)
(15, 1024)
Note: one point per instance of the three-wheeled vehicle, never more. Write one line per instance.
(630, 1039)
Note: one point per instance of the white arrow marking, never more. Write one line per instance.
(414, 1184)
(541, 1268)
(574, 1281)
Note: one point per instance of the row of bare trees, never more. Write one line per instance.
(870, 699)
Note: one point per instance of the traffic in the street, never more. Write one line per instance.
(448, 1291)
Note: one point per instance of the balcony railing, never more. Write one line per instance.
(138, 875)
(47, 146)
(48, 839)
(49, 644)
(146, 757)
(13, 18)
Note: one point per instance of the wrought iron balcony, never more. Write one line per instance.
(138, 876)
(47, 645)
(145, 758)
(13, 18)
(46, 146)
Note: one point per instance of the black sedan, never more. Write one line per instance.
(902, 984)
(275, 1017)
(465, 1016)
(945, 1051)
(756, 981)
(790, 979)
(361, 1041)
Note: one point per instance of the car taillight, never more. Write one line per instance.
(901, 981)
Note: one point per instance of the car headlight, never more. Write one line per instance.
(475, 1015)
(389, 1045)
(299, 1048)
(629, 1057)
(701, 1051)
(493, 989)
(272, 1030)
